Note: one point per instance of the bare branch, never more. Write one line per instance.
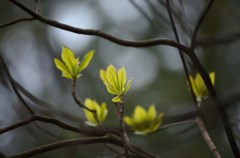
(214, 41)
(77, 101)
(66, 143)
(179, 16)
(144, 14)
(221, 110)
(176, 124)
(140, 152)
(14, 86)
(53, 121)
(207, 137)
(15, 22)
(91, 32)
(180, 52)
(199, 22)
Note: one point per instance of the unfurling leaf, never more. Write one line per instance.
(143, 121)
(199, 87)
(71, 66)
(115, 81)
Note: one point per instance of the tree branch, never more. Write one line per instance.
(207, 137)
(16, 21)
(199, 22)
(53, 121)
(66, 143)
(91, 32)
(214, 41)
(221, 110)
(13, 85)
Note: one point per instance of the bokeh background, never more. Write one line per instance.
(30, 47)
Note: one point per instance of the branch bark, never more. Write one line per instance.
(66, 143)
(92, 32)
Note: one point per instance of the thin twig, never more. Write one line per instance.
(207, 137)
(221, 110)
(123, 130)
(180, 52)
(110, 147)
(199, 22)
(179, 17)
(15, 22)
(144, 14)
(91, 32)
(53, 121)
(176, 124)
(208, 83)
(215, 41)
(77, 101)
(14, 86)
(140, 152)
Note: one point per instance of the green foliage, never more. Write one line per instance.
(93, 119)
(115, 82)
(71, 66)
(143, 122)
(199, 88)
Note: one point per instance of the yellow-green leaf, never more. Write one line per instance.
(152, 113)
(103, 76)
(122, 77)
(86, 59)
(128, 86)
(69, 59)
(112, 77)
(212, 77)
(144, 122)
(60, 65)
(139, 114)
(116, 99)
(194, 86)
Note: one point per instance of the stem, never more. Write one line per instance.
(124, 133)
(221, 110)
(206, 135)
(77, 101)
(179, 50)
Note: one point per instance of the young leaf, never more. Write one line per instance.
(71, 66)
(69, 59)
(86, 59)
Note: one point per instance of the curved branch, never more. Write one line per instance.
(66, 143)
(12, 83)
(53, 121)
(92, 32)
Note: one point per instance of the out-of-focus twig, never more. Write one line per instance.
(14, 86)
(144, 14)
(53, 121)
(15, 22)
(199, 22)
(205, 134)
(215, 41)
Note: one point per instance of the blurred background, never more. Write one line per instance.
(30, 47)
